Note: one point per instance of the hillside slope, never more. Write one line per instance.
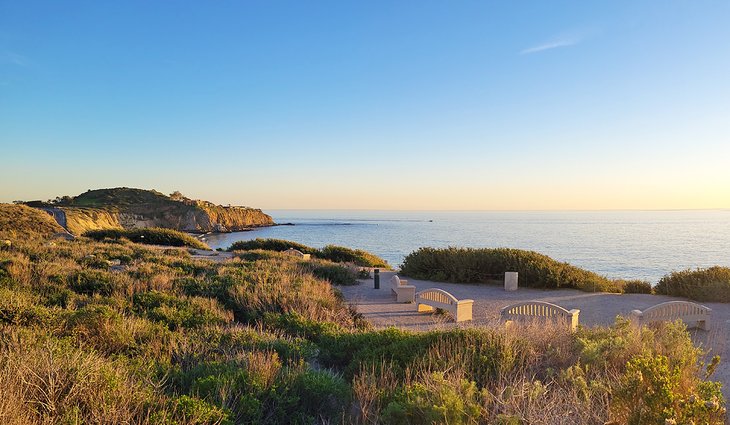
(20, 221)
(137, 208)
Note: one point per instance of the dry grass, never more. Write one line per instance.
(282, 286)
(49, 382)
(19, 222)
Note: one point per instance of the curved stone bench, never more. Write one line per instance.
(690, 313)
(540, 311)
(404, 293)
(433, 298)
(297, 253)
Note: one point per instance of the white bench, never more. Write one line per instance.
(430, 299)
(690, 313)
(540, 311)
(297, 253)
(404, 293)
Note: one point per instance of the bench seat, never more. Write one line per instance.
(404, 293)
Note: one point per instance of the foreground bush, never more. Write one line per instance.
(149, 236)
(338, 254)
(471, 265)
(711, 284)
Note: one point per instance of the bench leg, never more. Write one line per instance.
(573, 322)
(463, 313)
(703, 324)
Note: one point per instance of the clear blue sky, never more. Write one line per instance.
(370, 104)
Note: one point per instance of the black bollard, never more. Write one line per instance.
(376, 278)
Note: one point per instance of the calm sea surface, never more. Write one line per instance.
(619, 244)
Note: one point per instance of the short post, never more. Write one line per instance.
(510, 281)
(376, 278)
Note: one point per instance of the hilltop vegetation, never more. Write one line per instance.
(261, 339)
(150, 236)
(20, 221)
(134, 208)
(338, 254)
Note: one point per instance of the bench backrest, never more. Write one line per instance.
(535, 309)
(294, 252)
(396, 281)
(675, 309)
(437, 295)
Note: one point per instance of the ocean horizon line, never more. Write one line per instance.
(504, 210)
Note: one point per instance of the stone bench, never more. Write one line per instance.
(430, 299)
(404, 293)
(692, 314)
(297, 253)
(540, 311)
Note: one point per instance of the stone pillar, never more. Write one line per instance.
(510, 281)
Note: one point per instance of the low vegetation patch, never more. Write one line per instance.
(149, 236)
(711, 284)
(265, 338)
(472, 265)
(636, 286)
(270, 245)
(338, 254)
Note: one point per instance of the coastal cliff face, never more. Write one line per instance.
(135, 208)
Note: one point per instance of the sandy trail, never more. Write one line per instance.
(378, 306)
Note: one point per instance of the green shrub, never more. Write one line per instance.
(93, 282)
(435, 400)
(55, 295)
(149, 236)
(321, 394)
(471, 265)
(206, 344)
(255, 255)
(180, 312)
(209, 287)
(652, 391)
(337, 254)
(347, 351)
(637, 287)
(711, 284)
(194, 411)
(270, 245)
(340, 254)
(19, 307)
(335, 274)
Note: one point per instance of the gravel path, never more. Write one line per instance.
(378, 306)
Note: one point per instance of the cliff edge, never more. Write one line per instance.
(130, 208)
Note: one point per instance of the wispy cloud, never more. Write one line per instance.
(565, 39)
(552, 44)
(10, 57)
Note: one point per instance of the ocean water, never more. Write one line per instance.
(618, 244)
